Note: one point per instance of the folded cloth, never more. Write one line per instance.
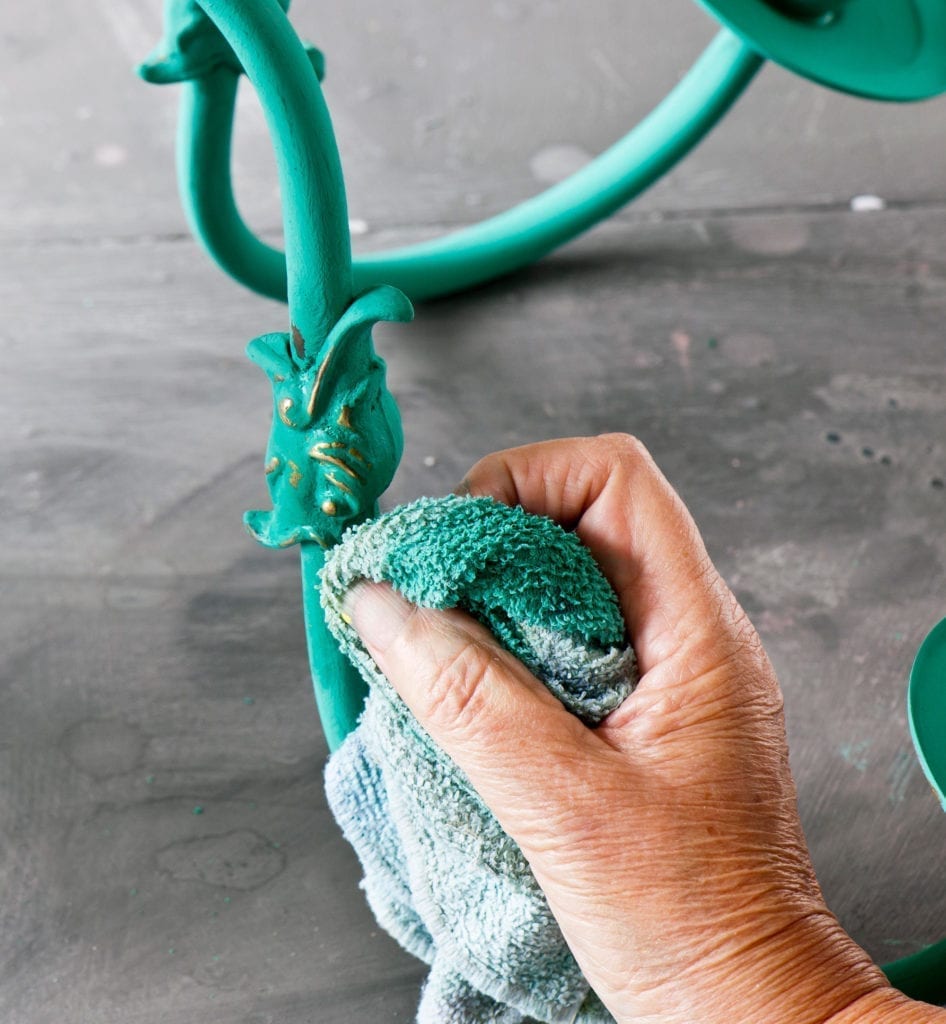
(441, 875)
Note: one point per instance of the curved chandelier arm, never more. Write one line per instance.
(487, 250)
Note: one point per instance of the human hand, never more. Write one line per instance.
(667, 839)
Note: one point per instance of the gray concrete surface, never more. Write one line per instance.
(782, 356)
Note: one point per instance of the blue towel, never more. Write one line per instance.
(441, 875)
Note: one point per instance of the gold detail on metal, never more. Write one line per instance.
(330, 444)
(357, 455)
(285, 404)
(295, 476)
(298, 341)
(279, 378)
(322, 456)
(329, 507)
(323, 366)
(338, 483)
(272, 465)
(344, 417)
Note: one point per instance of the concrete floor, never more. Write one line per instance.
(782, 356)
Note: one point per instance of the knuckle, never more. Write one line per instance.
(625, 448)
(456, 693)
(625, 461)
(622, 448)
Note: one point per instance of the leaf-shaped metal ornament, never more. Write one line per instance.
(336, 436)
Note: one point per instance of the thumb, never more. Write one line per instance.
(481, 706)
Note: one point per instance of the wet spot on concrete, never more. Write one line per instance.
(103, 747)
(826, 629)
(898, 565)
(242, 859)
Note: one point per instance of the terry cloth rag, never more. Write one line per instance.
(440, 873)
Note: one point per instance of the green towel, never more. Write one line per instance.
(440, 873)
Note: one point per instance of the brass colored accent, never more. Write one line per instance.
(322, 457)
(295, 476)
(345, 617)
(329, 507)
(337, 483)
(357, 454)
(279, 378)
(285, 404)
(344, 417)
(298, 342)
(330, 444)
(314, 397)
(272, 465)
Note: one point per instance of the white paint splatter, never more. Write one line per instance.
(110, 154)
(867, 204)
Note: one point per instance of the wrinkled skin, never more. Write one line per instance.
(667, 839)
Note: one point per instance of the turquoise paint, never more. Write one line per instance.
(206, 46)
(882, 49)
(191, 46)
(856, 754)
(336, 436)
(484, 251)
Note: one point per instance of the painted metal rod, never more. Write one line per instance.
(484, 251)
(318, 255)
(340, 692)
(315, 213)
(921, 975)
(316, 272)
(206, 194)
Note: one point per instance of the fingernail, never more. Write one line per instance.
(462, 489)
(376, 611)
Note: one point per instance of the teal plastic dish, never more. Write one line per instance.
(883, 49)
(926, 708)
